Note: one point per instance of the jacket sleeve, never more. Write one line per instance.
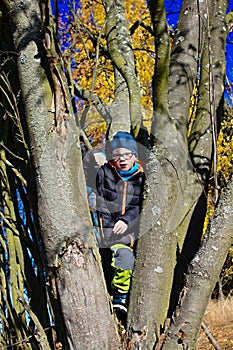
(100, 199)
(91, 167)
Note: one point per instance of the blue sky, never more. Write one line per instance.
(229, 48)
(173, 8)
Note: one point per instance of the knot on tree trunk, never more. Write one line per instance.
(136, 338)
(75, 252)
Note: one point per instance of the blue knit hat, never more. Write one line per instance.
(123, 139)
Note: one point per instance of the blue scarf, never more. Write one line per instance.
(127, 174)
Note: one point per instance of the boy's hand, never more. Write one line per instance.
(100, 158)
(120, 227)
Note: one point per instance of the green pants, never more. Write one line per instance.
(123, 263)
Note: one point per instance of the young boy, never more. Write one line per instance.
(119, 186)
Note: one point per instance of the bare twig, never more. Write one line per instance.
(210, 336)
(212, 106)
(163, 336)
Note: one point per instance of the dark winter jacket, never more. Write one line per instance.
(118, 200)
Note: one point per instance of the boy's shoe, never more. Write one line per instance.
(120, 302)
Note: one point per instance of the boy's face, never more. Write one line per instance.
(123, 158)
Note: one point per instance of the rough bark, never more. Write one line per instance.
(85, 313)
(120, 106)
(156, 253)
(62, 203)
(184, 61)
(172, 192)
(161, 71)
(166, 201)
(120, 50)
(202, 276)
(202, 138)
(201, 132)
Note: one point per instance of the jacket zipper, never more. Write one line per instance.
(124, 198)
(125, 186)
(101, 227)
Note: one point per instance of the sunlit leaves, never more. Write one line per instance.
(225, 148)
(138, 16)
(91, 64)
(225, 162)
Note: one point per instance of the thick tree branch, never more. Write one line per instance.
(140, 23)
(120, 49)
(203, 273)
(95, 100)
(202, 134)
(184, 62)
(160, 78)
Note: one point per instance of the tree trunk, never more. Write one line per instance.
(84, 299)
(202, 276)
(62, 201)
(120, 49)
(172, 192)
